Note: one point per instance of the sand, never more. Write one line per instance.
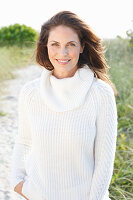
(8, 126)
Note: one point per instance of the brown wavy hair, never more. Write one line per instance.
(93, 53)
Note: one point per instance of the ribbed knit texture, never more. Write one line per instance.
(66, 141)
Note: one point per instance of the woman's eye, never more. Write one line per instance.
(71, 44)
(54, 44)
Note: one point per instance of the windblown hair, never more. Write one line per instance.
(93, 53)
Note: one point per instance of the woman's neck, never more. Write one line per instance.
(64, 74)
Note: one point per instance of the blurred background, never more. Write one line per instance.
(20, 24)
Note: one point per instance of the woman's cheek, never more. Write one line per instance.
(51, 53)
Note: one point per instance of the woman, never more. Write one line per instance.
(66, 144)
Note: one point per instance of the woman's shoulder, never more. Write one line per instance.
(102, 87)
(29, 87)
(103, 93)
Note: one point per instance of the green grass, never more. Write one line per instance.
(14, 58)
(120, 59)
(2, 113)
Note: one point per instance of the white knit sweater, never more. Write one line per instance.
(66, 141)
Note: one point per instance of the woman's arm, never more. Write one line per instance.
(23, 140)
(105, 144)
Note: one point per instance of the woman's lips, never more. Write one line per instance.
(63, 61)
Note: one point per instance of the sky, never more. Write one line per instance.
(107, 18)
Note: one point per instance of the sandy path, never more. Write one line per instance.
(8, 126)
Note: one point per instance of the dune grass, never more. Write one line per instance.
(14, 58)
(120, 59)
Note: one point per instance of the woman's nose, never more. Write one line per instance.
(63, 51)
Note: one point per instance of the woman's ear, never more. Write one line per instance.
(82, 48)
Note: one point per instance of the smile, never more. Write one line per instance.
(63, 61)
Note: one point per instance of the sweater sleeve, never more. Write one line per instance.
(23, 140)
(105, 144)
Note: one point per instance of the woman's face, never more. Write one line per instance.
(63, 50)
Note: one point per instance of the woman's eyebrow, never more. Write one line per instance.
(73, 41)
(52, 41)
(67, 42)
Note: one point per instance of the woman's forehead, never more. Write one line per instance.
(60, 33)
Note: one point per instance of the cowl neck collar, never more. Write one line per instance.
(67, 93)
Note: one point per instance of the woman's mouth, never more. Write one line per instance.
(63, 61)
